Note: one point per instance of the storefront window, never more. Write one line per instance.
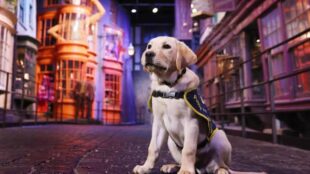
(271, 26)
(112, 90)
(26, 69)
(254, 49)
(45, 38)
(278, 68)
(70, 72)
(297, 16)
(6, 53)
(301, 55)
(232, 78)
(73, 26)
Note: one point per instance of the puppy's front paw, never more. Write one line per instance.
(141, 169)
(169, 168)
(221, 171)
(186, 172)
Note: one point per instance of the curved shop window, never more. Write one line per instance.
(70, 73)
(78, 2)
(73, 26)
(44, 25)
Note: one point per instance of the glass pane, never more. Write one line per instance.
(303, 83)
(76, 63)
(280, 88)
(70, 64)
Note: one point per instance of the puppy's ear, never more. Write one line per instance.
(146, 70)
(185, 56)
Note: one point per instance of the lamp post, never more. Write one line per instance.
(131, 50)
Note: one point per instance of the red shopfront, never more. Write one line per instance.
(113, 73)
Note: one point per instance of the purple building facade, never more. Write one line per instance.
(262, 48)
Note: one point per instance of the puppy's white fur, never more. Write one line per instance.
(174, 122)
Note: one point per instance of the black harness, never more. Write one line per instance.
(195, 102)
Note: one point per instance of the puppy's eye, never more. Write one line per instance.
(149, 46)
(166, 46)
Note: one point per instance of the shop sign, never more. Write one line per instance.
(224, 5)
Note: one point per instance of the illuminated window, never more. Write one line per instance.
(278, 68)
(301, 55)
(5, 54)
(73, 26)
(70, 72)
(45, 38)
(112, 90)
(271, 25)
(297, 16)
(232, 78)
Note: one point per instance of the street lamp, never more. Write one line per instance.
(131, 50)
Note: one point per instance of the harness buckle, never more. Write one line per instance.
(170, 94)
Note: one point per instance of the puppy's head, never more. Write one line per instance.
(164, 55)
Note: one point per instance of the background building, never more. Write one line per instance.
(66, 60)
(114, 92)
(25, 60)
(272, 38)
(7, 33)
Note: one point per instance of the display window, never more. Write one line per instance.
(6, 53)
(112, 90)
(296, 16)
(70, 73)
(278, 69)
(271, 28)
(301, 56)
(73, 26)
(44, 25)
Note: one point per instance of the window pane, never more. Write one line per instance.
(301, 56)
(70, 64)
(296, 16)
(271, 26)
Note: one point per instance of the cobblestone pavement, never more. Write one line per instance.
(116, 150)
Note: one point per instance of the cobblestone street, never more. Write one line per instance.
(116, 150)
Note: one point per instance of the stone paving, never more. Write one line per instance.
(84, 149)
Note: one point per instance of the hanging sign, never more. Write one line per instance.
(224, 5)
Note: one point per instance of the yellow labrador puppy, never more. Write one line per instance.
(193, 140)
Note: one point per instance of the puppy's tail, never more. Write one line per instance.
(238, 172)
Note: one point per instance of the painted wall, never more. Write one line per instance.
(7, 27)
(27, 25)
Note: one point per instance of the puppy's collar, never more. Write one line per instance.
(176, 81)
(172, 95)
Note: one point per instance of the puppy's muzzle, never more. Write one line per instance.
(149, 56)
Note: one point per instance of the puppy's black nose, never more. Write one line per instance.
(149, 57)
